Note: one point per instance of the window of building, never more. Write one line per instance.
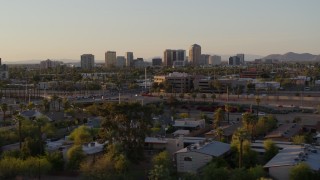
(187, 158)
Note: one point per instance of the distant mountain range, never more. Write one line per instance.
(291, 56)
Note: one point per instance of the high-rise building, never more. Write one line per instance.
(87, 61)
(194, 54)
(156, 62)
(129, 59)
(214, 60)
(110, 59)
(204, 59)
(170, 56)
(49, 64)
(121, 61)
(241, 57)
(4, 72)
(234, 61)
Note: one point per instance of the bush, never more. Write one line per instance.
(31, 167)
(75, 156)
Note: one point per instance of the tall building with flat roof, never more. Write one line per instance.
(121, 61)
(129, 59)
(194, 54)
(214, 60)
(156, 62)
(241, 57)
(110, 59)
(171, 55)
(87, 61)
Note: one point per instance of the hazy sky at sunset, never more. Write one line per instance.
(65, 29)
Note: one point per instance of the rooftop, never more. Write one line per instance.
(214, 148)
(285, 131)
(293, 155)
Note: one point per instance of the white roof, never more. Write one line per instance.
(93, 149)
(214, 148)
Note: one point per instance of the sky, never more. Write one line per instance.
(65, 29)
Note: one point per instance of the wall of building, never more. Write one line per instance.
(280, 172)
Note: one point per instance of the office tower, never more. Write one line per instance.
(167, 57)
(234, 61)
(241, 57)
(215, 60)
(87, 61)
(49, 64)
(204, 59)
(129, 59)
(156, 62)
(194, 54)
(110, 59)
(170, 56)
(121, 61)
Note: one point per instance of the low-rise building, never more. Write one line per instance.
(284, 132)
(280, 165)
(193, 157)
(180, 82)
(189, 123)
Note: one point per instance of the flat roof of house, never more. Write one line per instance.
(285, 131)
(214, 148)
(293, 155)
(155, 140)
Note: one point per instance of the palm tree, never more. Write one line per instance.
(217, 85)
(46, 104)
(40, 122)
(22, 107)
(204, 96)
(59, 103)
(19, 119)
(241, 135)
(53, 100)
(258, 102)
(218, 117)
(4, 109)
(250, 121)
(213, 97)
(219, 132)
(227, 108)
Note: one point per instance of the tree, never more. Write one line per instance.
(217, 85)
(219, 132)
(250, 121)
(159, 172)
(298, 139)
(301, 171)
(218, 117)
(227, 108)
(271, 150)
(240, 135)
(216, 169)
(59, 103)
(112, 165)
(4, 109)
(162, 166)
(127, 124)
(81, 135)
(19, 119)
(56, 160)
(257, 172)
(46, 104)
(40, 122)
(258, 102)
(75, 156)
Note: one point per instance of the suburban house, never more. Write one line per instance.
(280, 165)
(227, 130)
(33, 114)
(284, 132)
(189, 124)
(195, 156)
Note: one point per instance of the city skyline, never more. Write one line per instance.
(64, 30)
